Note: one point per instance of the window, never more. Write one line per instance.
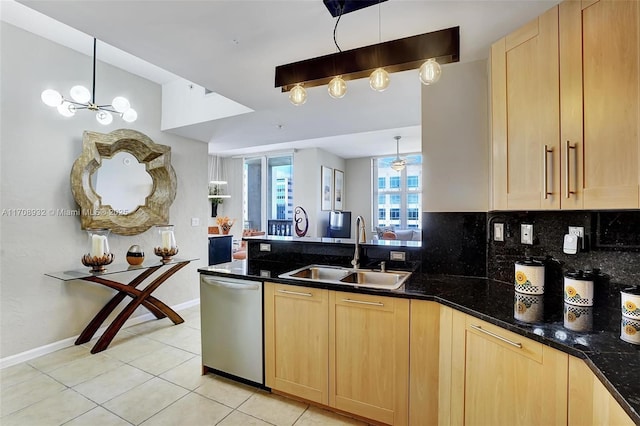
(399, 204)
(273, 177)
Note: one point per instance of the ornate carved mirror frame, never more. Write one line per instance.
(157, 161)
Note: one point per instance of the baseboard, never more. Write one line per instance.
(65, 343)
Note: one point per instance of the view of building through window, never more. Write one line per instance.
(397, 197)
(272, 176)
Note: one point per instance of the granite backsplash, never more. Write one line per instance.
(462, 243)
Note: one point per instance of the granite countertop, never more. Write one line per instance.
(614, 361)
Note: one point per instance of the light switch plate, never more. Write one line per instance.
(498, 232)
(397, 255)
(195, 221)
(526, 234)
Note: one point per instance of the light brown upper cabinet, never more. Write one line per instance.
(600, 92)
(526, 117)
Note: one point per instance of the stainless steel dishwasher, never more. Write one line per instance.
(231, 326)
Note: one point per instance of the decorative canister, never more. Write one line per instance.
(630, 330)
(135, 255)
(528, 307)
(529, 277)
(579, 288)
(630, 298)
(578, 318)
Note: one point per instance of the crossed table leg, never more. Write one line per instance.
(140, 297)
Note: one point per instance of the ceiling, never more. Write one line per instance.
(233, 46)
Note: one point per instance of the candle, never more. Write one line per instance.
(167, 239)
(97, 245)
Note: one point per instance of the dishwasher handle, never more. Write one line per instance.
(230, 285)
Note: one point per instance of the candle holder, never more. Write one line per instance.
(99, 254)
(168, 247)
(97, 264)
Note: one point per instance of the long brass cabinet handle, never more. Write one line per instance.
(545, 171)
(568, 190)
(362, 302)
(497, 336)
(295, 293)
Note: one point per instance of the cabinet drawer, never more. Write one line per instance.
(504, 338)
(298, 291)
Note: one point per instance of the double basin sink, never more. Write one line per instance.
(387, 280)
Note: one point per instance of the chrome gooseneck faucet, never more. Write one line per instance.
(361, 236)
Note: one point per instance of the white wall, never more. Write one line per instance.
(358, 188)
(455, 140)
(306, 180)
(38, 148)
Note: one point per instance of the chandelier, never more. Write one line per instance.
(81, 98)
(424, 52)
(399, 163)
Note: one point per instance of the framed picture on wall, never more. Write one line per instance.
(326, 187)
(338, 189)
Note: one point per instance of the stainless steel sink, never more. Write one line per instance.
(388, 280)
(318, 273)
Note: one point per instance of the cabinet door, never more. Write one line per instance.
(600, 95)
(424, 362)
(511, 380)
(369, 356)
(590, 403)
(526, 116)
(296, 341)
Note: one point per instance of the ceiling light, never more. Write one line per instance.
(430, 72)
(379, 80)
(399, 163)
(298, 95)
(391, 56)
(337, 87)
(81, 98)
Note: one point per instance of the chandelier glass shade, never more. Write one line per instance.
(430, 72)
(82, 98)
(337, 87)
(379, 80)
(298, 95)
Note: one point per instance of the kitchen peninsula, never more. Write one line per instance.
(591, 365)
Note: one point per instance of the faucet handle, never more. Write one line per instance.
(383, 266)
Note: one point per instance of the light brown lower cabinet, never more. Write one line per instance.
(344, 350)
(590, 403)
(498, 377)
(417, 362)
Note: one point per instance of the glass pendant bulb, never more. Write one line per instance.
(51, 97)
(298, 95)
(130, 115)
(379, 80)
(120, 104)
(67, 109)
(80, 94)
(337, 87)
(430, 72)
(104, 117)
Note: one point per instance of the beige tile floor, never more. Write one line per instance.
(151, 376)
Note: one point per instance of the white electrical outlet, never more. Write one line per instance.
(526, 234)
(195, 221)
(498, 232)
(578, 231)
(265, 247)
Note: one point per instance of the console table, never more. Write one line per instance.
(139, 297)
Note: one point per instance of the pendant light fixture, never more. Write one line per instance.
(215, 179)
(430, 72)
(379, 79)
(81, 98)
(399, 163)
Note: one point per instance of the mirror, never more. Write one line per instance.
(122, 200)
(122, 182)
